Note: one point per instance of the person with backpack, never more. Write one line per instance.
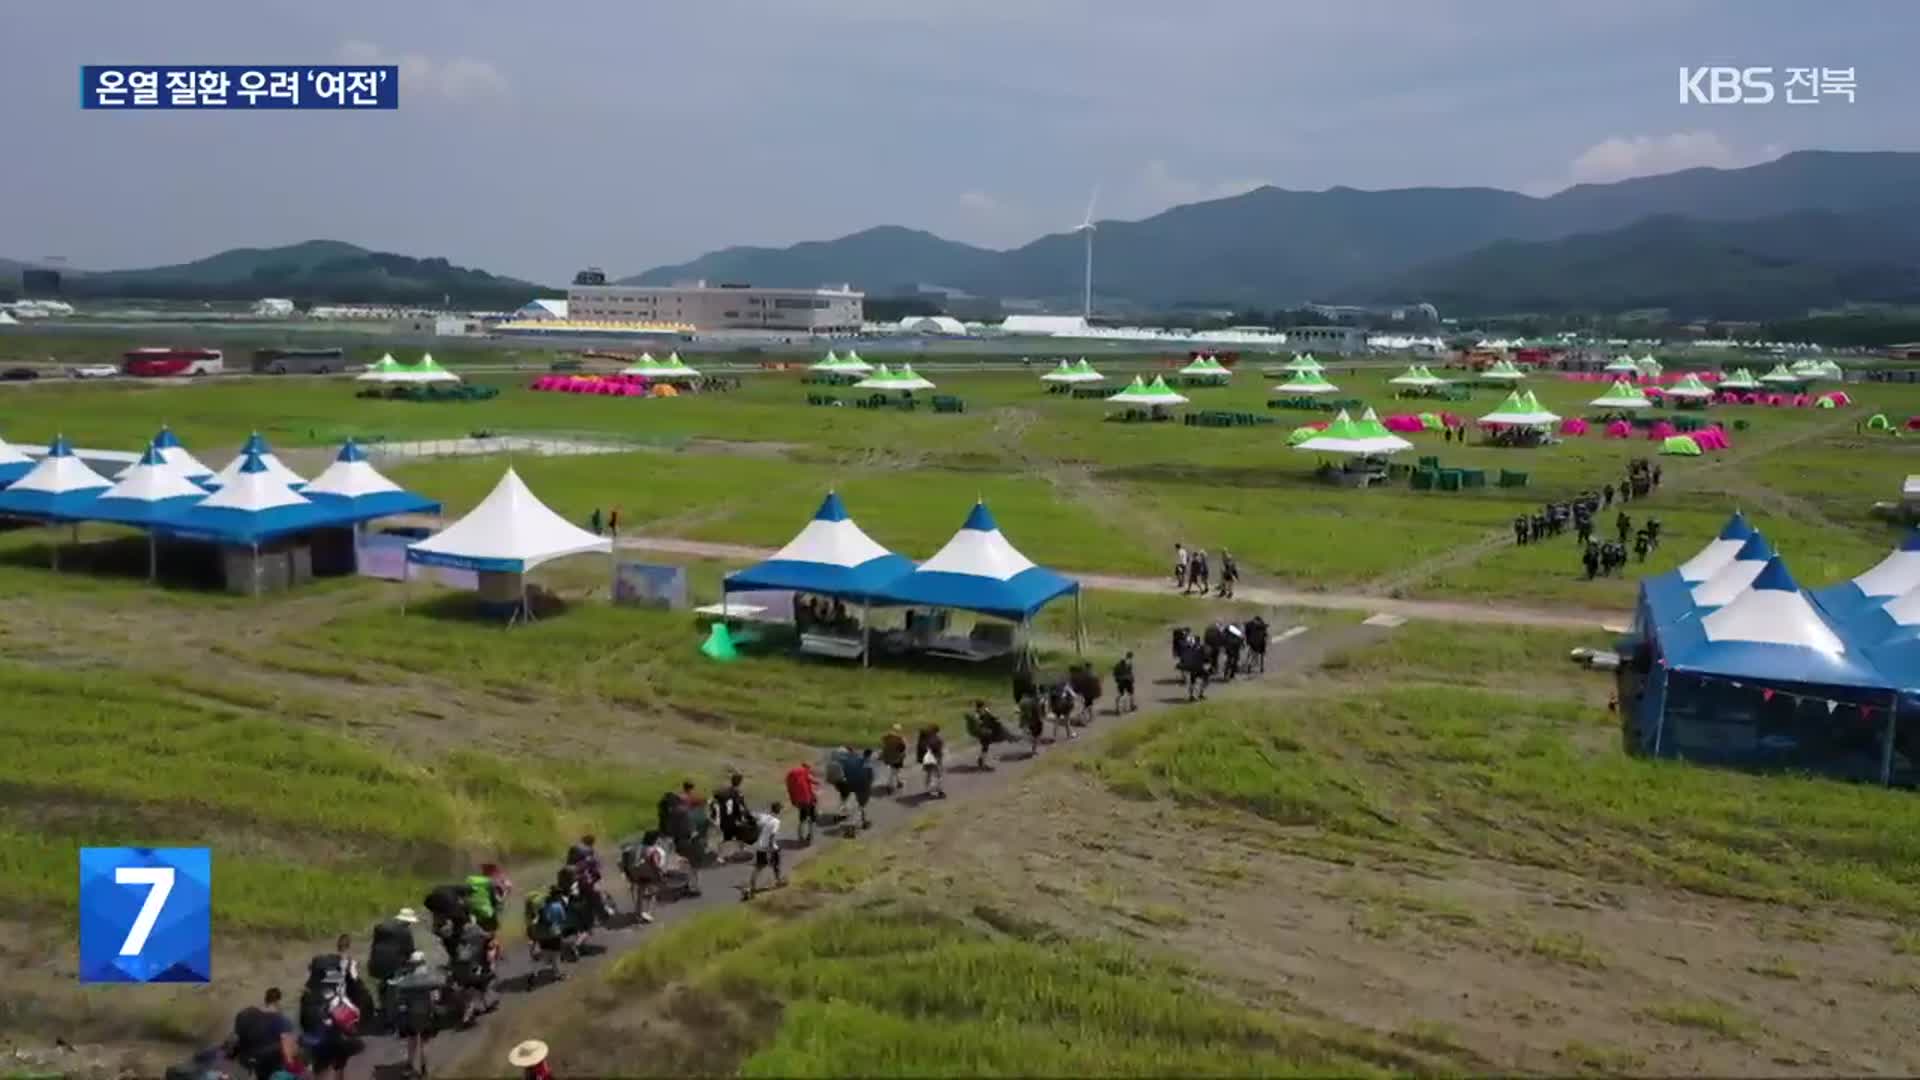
(1033, 720)
(448, 906)
(1123, 685)
(930, 750)
(766, 850)
(1180, 567)
(893, 754)
(471, 974)
(387, 956)
(986, 730)
(418, 989)
(329, 1023)
(1229, 573)
(264, 1040)
(1231, 642)
(486, 893)
(855, 785)
(1256, 631)
(676, 819)
(1062, 703)
(1196, 665)
(1086, 687)
(805, 796)
(729, 808)
(355, 985)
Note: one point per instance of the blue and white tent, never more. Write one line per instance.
(256, 447)
(510, 532)
(59, 488)
(13, 464)
(1859, 597)
(177, 456)
(831, 556)
(253, 507)
(1736, 576)
(979, 570)
(1771, 631)
(1719, 551)
(149, 494)
(353, 482)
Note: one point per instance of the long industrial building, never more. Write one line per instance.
(720, 307)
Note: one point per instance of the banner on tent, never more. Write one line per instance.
(650, 585)
(385, 557)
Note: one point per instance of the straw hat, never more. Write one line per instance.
(527, 1054)
(406, 915)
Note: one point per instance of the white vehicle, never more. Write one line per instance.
(93, 371)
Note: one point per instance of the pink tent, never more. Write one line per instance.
(1913, 423)
(1403, 422)
(1451, 420)
(1801, 401)
(1839, 397)
(1661, 430)
(1573, 426)
(1619, 429)
(1711, 376)
(1776, 400)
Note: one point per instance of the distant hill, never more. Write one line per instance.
(1276, 248)
(1743, 269)
(318, 270)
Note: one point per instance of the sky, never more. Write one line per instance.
(535, 140)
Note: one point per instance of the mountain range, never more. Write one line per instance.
(1811, 229)
(1696, 236)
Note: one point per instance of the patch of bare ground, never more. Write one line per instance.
(1519, 969)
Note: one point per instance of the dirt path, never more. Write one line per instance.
(459, 1052)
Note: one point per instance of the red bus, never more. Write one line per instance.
(161, 362)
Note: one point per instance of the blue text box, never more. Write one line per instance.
(239, 86)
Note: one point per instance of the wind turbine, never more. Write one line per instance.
(1086, 226)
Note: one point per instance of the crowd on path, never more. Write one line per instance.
(398, 990)
(1599, 556)
(1193, 572)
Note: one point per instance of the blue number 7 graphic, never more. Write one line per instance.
(159, 880)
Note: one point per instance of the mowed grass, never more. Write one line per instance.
(311, 830)
(1530, 778)
(903, 989)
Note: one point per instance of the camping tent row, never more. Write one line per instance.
(1520, 410)
(1364, 437)
(389, 370)
(672, 369)
(850, 364)
(253, 505)
(1417, 375)
(1147, 394)
(1730, 660)
(979, 569)
(1070, 373)
(902, 379)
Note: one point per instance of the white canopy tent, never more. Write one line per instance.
(510, 532)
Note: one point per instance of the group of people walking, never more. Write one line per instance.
(1193, 573)
(1215, 653)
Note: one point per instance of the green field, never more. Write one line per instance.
(344, 754)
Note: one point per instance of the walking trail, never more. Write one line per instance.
(1271, 596)
(459, 1053)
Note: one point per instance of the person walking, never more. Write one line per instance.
(1033, 720)
(1623, 525)
(1180, 567)
(858, 772)
(1062, 704)
(1123, 685)
(613, 522)
(263, 1038)
(729, 808)
(766, 851)
(593, 521)
(329, 1025)
(893, 754)
(1198, 572)
(1256, 631)
(803, 794)
(1590, 558)
(1229, 574)
(930, 750)
(986, 729)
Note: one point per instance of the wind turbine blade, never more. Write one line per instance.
(1091, 199)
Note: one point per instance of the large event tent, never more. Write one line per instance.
(59, 488)
(1306, 382)
(1070, 373)
(510, 532)
(1502, 370)
(1417, 375)
(1301, 364)
(1888, 579)
(1780, 374)
(1361, 438)
(831, 556)
(1148, 394)
(352, 483)
(177, 457)
(256, 505)
(980, 571)
(673, 369)
(1623, 364)
(149, 495)
(386, 369)
(1622, 395)
(1691, 387)
(255, 447)
(1208, 368)
(1519, 411)
(1741, 379)
(1719, 551)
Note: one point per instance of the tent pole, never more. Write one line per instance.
(56, 549)
(1079, 628)
(153, 556)
(526, 612)
(256, 568)
(406, 581)
(1886, 752)
(866, 633)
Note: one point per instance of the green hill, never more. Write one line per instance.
(317, 270)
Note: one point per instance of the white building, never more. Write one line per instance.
(720, 307)
(945, 325)
(271, 308)
(1046, 325)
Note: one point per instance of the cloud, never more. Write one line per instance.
(1157, 187)
(979, 202)
(459, 79)
(1625, 156)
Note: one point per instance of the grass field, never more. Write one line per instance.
(344, 755)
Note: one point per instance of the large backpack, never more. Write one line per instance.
(392, 944)
(448, 901)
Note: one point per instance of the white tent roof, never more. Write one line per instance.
(11, 456)
(256, 447)
(152, 479)
(1727, 582)
(253, 487)
(60, 472)
(351, 475)
(510, 530)
(1772, 612)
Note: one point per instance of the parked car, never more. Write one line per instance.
(20, 374)
(93, 371)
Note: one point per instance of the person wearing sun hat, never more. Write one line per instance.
(530, 1058)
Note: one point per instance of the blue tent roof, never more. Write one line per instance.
(82, 487)
(378, 504)
(1668, 597)
(10, 473)
(166, 438)
(1850, 600)
(1771, 633)
(979, 570)
(831, 556)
